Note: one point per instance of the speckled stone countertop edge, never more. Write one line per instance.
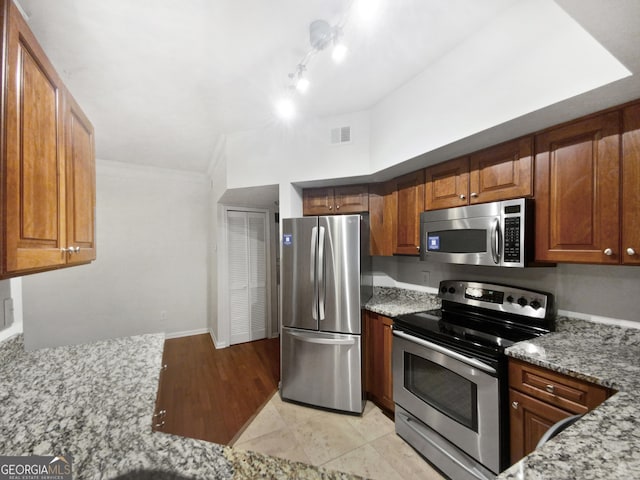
(394, 302)
(605, 442)
(122, 445)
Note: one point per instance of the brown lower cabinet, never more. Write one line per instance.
(539, 398)
(378, 376)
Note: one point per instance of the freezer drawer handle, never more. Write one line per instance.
(445, 351)
(323, 341)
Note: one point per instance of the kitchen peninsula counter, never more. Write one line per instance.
(96, 401)
(605, 443)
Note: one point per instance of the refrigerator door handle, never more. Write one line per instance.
(321, 280)
(323, 341)
(314, 265)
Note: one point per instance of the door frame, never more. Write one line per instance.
(223, 274)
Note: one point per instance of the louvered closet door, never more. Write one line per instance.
(247, 260)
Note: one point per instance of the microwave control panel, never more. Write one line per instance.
(512, 230)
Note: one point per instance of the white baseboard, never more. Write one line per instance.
(186, 333)
(216, 343)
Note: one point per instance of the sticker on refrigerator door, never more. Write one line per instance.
(433, 242)
(287, 239)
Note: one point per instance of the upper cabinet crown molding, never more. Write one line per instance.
(48, 160)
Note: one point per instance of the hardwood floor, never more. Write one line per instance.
(212, 394)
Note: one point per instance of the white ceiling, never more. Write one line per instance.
(161, 79)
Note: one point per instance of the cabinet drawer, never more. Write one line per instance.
(571, 394)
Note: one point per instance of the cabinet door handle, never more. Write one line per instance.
(515, 405)
(631, 251)
(159, 425)
(550, 388)
(474, 195)
(608, 252)
(164, 367)
(337, 207)
(462, 197)
(330, 207)
(161, 413)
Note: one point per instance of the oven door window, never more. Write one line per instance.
(444, 390)
(458, 241)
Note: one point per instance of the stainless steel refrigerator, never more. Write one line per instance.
(326, 278)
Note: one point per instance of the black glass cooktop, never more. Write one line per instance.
(470, 329)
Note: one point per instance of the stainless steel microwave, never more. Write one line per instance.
(495, 234)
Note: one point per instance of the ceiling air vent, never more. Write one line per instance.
(340, 135)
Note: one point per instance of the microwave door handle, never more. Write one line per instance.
(313, 269)
(495, 240)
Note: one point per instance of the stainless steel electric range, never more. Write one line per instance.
(450, 373)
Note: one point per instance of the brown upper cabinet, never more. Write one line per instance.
(383, 207)
(81, 184)
(631, 186)
(409, 192)
(48, 189)
(500, 172)
(335, 200)
(577, 191)
(447, 184)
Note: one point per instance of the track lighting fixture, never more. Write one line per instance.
(321, 35)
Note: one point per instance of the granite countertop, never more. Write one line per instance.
(605, 443)
(96, 401)
(393, 302)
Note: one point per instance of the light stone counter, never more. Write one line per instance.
(393, 302)
(96, 401)
(605, 443)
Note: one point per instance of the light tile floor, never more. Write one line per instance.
(365, 446)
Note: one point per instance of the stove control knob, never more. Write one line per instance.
(510, 299)
(452, 290)
(522, 302)
(535, 304)
(443, 290)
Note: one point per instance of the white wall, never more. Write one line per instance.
(606, 291)
(487, 80)
(152, 251)
(11, 288)
(218, 178)
(297, 152)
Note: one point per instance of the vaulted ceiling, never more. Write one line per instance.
(161, 80)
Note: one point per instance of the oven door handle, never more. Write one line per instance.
(445, 351)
